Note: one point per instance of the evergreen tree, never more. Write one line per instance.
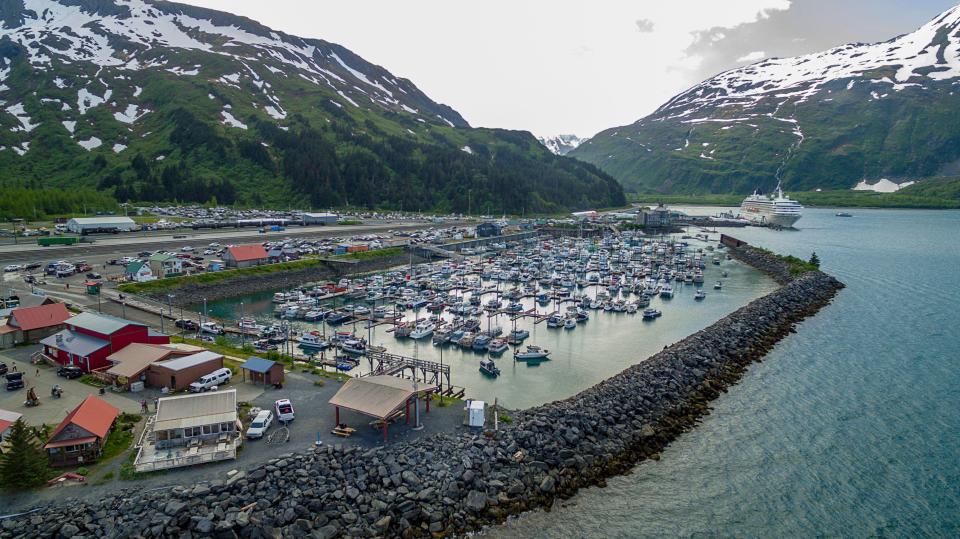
(25, 464)
(814, 259)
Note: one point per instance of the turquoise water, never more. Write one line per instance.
(601, 347)
(849, 428)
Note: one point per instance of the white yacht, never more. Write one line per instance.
(776, 209)
(423, 329)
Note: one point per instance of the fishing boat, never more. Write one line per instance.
(554, 321)
(467, 340)
(651, 313)
(700, 295)
(441, 336)
(312, 341)
(403, 330)
(497, 347)
(514, 307)
(212, 327)
(718, 286)
(313, 316)
(519, 334)
(249, 324)
(338, 317)
(531, 353)
(570, 323)
(481, 342)
(666, 291)
(380, 312)
(280, 298)
(488, 367)
(844, 214)
(422, 330)
(354, 346)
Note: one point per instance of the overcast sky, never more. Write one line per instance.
(569, 66)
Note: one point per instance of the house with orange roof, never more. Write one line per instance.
(30, 324)
(80, 437)
(244, 256)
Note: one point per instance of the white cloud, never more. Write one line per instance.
(752, 57)
(644, 26)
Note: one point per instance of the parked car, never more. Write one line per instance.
(3, 368)
(70, 372)
(12, 267)
(187, 324)
(33, 266)
(144, 254)
(284, 409)
(14, 380)
(186, 249)
(94, 275)
(260, 424)
(212, 380)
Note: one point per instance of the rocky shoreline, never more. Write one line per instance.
(451, 484)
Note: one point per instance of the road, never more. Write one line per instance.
(130, 243)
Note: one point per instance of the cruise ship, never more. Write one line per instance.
(775, 210)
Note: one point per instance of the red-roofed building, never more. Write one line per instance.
(30, 324)
(90, 337)
(243, 256)
(7, 419)
(79, 438)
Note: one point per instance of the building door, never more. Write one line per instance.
(173, 383)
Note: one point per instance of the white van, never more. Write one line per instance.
(215, 378)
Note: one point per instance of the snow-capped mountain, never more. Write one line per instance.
(824, 120)
(127, 36)
(154, 100)
(561, 144)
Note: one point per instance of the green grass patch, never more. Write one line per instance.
(118, 441)
(371, 255)
(90, 380)
(504, 418)
(161, 285)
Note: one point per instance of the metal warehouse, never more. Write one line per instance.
(319, 218)
(87, 225)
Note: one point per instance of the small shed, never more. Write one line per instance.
(179, 373)
(262, 371)
(93, 288)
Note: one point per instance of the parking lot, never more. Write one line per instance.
(315, 418)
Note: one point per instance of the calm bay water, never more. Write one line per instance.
(601, 347)
(849, 428)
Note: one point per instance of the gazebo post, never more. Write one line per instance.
(384, 431)
(406, 412)
(428, 399)
(337, 408)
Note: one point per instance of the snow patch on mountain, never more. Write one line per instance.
(930, 53)
(21, 115)
(882, 186)
(228, 119)
(90, 143)
(561, 144)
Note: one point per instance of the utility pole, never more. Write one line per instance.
(243, 330)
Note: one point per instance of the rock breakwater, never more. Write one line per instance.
(450, 484)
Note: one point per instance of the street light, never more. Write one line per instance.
(169, 304)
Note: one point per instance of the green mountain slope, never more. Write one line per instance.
(164, 101)
(822, 121)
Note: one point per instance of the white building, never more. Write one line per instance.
(108, 223)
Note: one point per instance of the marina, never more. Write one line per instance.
(553, 315)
